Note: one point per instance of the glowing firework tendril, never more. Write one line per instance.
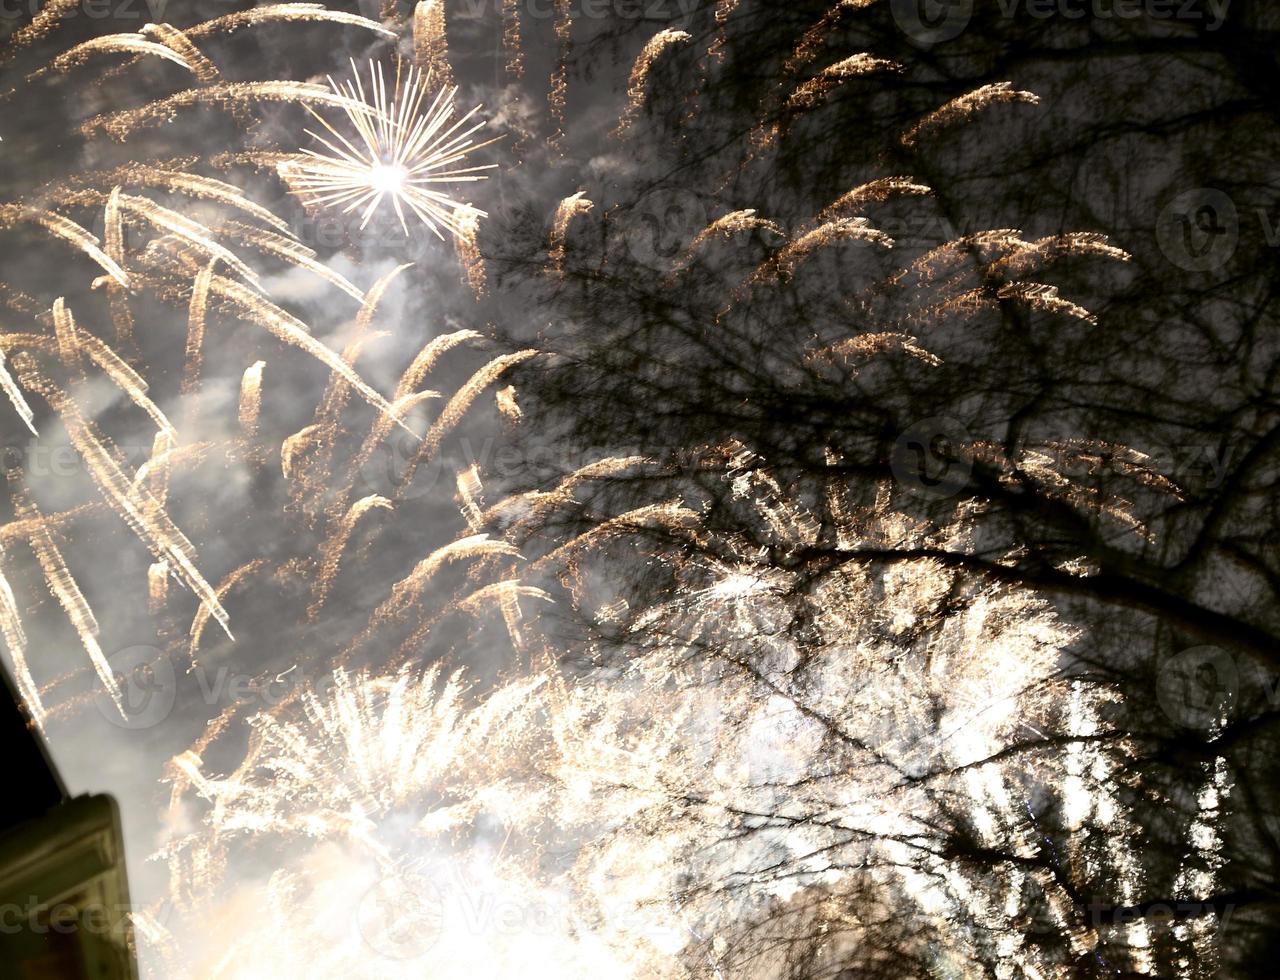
(398, 153)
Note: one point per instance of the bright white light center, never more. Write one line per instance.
(387, 178)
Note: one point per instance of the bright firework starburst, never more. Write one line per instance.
(398, 152)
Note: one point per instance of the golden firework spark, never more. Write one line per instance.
(398, 153)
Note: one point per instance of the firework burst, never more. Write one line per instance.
(399, 152)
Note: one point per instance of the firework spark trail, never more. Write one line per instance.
(67, 230)
(427, 358)
(15, 640)
(786, 260)
(296, 13)
(530, 509)
(457, 407)
(157, 587)
(251, 399)
(203, 614)
(19, 302)
(117, 295)
(880, 189)
(87, 190)
(123, 123)
(191, 56)
(126, 378)
(400, 151)
(672, 517)
(293, 252)
(64, 588)
(406, 394)
(637, 85)
(965, 106)
(868, 345)
(285, 13)
(559, 86)
(967, 304)
(293, 331)
(466, 245)
(470, 496)
(197, 315)
(733, 223)
(568, 209)
(505, 595)
(814, 41)
(950, 262)
(18, 531)
(1043, 466)
(47, 20)
(335, 544)
(179, 775)
(67, 337)
(306, 456)
(337, 390)
(1040, 296)
(405, 593)
(430, 42)
(507, 405)
(187, 229)
(155, 471)
(321, 436)
(724, 227)
(295, 449)
(1025, 257)
(14, 394)
(511, 38)
(807, 95)
(132, 503)
(111, 44)
(724, 9)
